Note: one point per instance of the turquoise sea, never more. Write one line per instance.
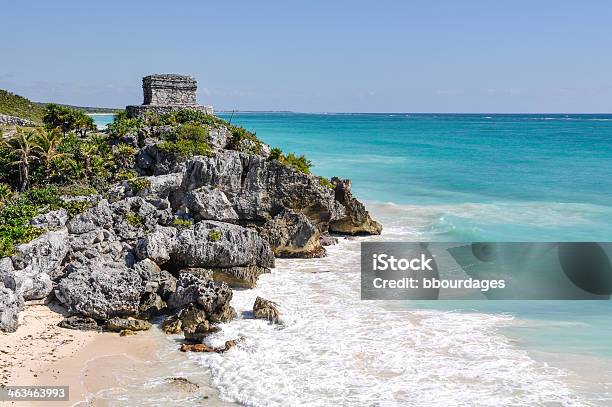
(478, 177)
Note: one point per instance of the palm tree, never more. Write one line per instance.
(46, 144)
(22, 144)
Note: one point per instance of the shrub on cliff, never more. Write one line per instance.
(299, 163)
(187, 140)
(245, 141)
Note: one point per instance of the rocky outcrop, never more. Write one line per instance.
(132, 324)
(43, 254)
(258, 189)
(177, 239)
(357, 220)
(213, 298)
(6, 120)
(100, 290)
(219, 245)
(200, 302)
(291, 234)
(28, 284)
(80, 323)
(10, 305)
(206, 203)
(266, 309)
(51, 220)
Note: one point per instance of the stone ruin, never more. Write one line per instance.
(164, 93)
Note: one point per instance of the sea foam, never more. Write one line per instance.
(335, 349)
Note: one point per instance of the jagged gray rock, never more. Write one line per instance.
(43, 254)
(213, 298)
(98, 217)
(28, 284)
(291, 234)
(51, 220)
(100, 290)
(209, 204)
(158, 285)
(217, 244)
(10, 306)
(258, 188)
(357, 220)
(158, 245)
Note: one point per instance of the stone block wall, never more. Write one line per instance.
(169, 89)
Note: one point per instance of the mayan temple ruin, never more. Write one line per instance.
(166, 92)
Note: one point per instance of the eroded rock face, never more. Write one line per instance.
(43, 254)
(266, 309)
(213, 298)
(9, 309)
(357, 220)
(220, 245)
(51, 220)
(291, 234)
(80, 323)
(132, 324)
(206, 203)
(158, 245)
(28, 284)
(258, 188)
(100, 290)
(238, 277)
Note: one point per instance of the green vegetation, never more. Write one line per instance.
(78, 190)
(325, 182)
(75, 207)
(214, 235)
(189, 139)
(300, 163)
(15, 105)
(86, 109)
(17, 211)
(245, 141)
(67, 119)
(123, 125)
(139, 184)
(134, 219)
(181, 223)
(69, 157)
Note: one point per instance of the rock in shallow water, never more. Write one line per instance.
(213, 298)
(291, 234)
(266, 309)
(357, 220)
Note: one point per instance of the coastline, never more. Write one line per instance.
(91, 363)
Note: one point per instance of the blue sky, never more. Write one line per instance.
(314, 56)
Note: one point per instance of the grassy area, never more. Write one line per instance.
(15, 105)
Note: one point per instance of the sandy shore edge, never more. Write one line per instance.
(41, 353)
